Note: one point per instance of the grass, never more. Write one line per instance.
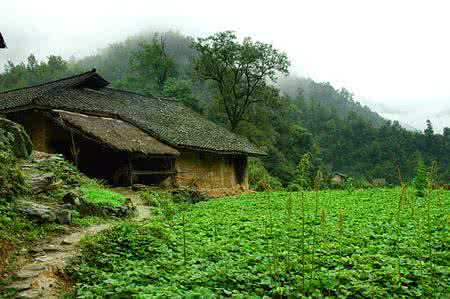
(247, 247)
(87, 221)
(99, 195)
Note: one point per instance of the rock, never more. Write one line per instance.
(35, 250)
(139, 187)
(66, 242)
(43, 259)
(20, 285)
(35, 267)
(72, 198)
(51, 247)
(38, 254)
(35, 210)
(25, 274)
(22, 145)
(40, 182)
(29, 295)
(62, 229)
(64, 216)
(54, 186)
(87, 208)
(39, 156)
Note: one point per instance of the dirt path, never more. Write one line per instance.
(43, 276)
(142, 211)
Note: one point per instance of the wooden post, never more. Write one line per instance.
(130, 161)
(75, 151)
(174, 175)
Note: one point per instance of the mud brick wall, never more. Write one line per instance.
(37, 126)
(212, 171)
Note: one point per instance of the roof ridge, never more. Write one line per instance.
(143, 95)
(49, 82)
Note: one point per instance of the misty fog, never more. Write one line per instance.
(394, 56)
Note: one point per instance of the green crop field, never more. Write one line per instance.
(373, 243)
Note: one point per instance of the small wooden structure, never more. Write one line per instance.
(378, 182)
(338, 178)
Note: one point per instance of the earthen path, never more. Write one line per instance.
(43, 276)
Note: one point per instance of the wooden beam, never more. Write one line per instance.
(154, 172)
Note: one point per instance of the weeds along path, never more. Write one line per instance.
(142, 211)
(43, 275)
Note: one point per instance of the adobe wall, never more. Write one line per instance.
(218, 175)
(38, 127)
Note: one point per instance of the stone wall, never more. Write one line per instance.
(216, 174)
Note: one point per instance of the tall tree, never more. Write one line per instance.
(151, 66)
(429, 131)
(240, 71)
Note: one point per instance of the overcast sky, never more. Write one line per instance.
(393, 55)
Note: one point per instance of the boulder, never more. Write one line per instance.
(40, 182)
(139, 187)
(74, 200)
(71, 198)
(44, 213)
(64, 216)
(22, 145)
(37, 211)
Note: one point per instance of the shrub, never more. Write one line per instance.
(420, 180)
(302, 180)
(161, 201)
(259, 178)
(22, 146)
(188, 195)
(349, 185)
(63, 170)
(12, 182)
(155, 198)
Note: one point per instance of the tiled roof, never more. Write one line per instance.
(165, 119)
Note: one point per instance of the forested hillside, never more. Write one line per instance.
(305, 117)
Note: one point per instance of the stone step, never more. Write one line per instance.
(21, 285)
(28, 294)
(34, 267)
(26, 274)
(51, 247)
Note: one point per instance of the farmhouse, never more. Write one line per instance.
(127, 138)
(338, 178)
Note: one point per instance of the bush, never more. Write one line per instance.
(12, 181)
(188, 195)
(302, 181)
(63, 170)
(22, 146)
(259, 178)
(155, 198)
(161, 201)
(420, 180)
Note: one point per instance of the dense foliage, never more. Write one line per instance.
(239, 71)
(12, 182)
(307, 117)
(377, 243)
